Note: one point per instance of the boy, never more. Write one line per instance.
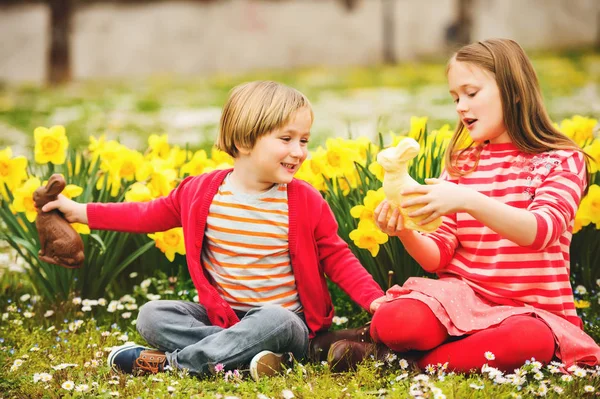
(258, 245)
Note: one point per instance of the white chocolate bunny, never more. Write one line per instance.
(394, 161)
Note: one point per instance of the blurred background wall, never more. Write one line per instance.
(59, 40)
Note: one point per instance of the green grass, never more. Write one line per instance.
(71, 346)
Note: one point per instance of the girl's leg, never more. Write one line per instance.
(407, 324)
(515, 340)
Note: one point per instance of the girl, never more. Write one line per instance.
(509, 194)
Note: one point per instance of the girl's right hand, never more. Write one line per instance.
(73, 211)
(392, 227)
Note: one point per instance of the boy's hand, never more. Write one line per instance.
(376, 303)
(74, 212)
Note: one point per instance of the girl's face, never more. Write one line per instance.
(478, 102)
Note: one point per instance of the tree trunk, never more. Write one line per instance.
(389, 31)
(60, 29)
(459, 33)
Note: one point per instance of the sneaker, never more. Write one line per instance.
(265, 364)
(136, 359)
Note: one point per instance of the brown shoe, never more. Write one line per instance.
(136, 359)
(318, 347)
(344, 355)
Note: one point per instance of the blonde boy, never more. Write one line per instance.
(258, 244)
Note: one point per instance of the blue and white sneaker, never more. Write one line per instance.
(136, 359)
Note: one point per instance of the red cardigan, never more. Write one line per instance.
(316, 249)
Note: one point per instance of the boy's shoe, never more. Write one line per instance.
(266, 364)
(136, 359)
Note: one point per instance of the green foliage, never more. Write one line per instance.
(107, 254)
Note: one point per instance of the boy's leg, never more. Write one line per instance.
(514, 341)
(269, 328)
(170, 325)
(407, 324)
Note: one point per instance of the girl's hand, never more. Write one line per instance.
(74, 211)
(439, 198)
(392, 227)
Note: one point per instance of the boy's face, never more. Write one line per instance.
(277, 156)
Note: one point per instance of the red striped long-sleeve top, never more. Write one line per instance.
(549, 185)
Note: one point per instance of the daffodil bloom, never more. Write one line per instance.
(197, 164)
(50, 145)
(368, 236)
(23, 198)
(81, 228)
(170, 242)
(593, 150)
(71, 191)
(220, 157)
(159, 146)
(377, 170)
(579, 128)
(12, 171)
(138, 192)
(589, 208)
(371, 200)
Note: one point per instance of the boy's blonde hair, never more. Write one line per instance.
(255, 109)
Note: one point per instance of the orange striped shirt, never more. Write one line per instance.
(550, 186)
(246, 249)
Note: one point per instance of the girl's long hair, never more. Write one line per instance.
(525, 117)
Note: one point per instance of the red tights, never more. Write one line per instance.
(408, 324)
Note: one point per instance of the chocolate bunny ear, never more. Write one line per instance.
(55, 185)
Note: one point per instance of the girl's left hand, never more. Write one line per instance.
(439, 198)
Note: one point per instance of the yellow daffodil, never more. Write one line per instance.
(96, 146)
(23, 198)
(593, 150)
(50, 145)
(368, 236)
(81, 228)
(579, 128)
(197, 164)
(417, 127)
(170, 242)
(308, 174)
(220, 157)
(377, 170)
(12, 171)
(71, 191)
(371, 200)
(589, 208)
(159, 146)
(162, 181)
(138, 192)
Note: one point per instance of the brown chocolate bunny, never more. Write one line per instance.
(60, 244)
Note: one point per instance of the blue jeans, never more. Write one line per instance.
(183, 331)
